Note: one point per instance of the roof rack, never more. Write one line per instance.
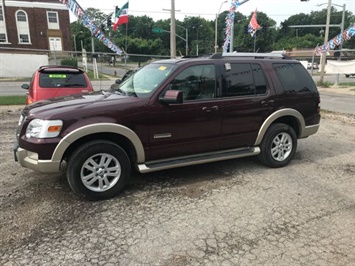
(197, 56)
(253, 55)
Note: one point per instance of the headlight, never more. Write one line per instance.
(41, 129)
(20, 120)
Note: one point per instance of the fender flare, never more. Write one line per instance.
(99, 128)
(276, 115)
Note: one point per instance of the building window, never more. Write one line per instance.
(24, 38)
(23, 28)
(2, 37)
(1, 14)
(21, 16)
(52, 17)
(53, 22)
(55, 44)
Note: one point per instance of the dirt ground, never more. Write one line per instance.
(35, 206)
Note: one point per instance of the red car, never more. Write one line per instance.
(53, 81)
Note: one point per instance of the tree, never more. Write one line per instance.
(265, 37)
(140, 39)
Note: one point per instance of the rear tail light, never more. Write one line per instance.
(318, 107)
(29, 100)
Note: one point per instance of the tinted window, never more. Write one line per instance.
(243, 80)
(61, 79)
(259, 79)
(196, 83)
(294, 78)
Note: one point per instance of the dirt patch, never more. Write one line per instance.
(338, 90)
(344, 118)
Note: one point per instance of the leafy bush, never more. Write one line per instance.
(69, 62)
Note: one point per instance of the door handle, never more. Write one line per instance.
(266, 103)
(210, 109)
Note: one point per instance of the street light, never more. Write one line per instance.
(186, 39)
(215, 36)
(341, 29)
(197, 37)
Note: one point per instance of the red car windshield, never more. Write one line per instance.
(62, 79)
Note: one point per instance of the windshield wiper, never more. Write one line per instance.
(132, 93)
(119, 91)
(72, 85)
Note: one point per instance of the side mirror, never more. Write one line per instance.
(171, 97)
(25, 86)
(118, 81)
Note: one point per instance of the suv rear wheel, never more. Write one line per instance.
(98, 170)
(278, 146)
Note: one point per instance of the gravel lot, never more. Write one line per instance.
(236, 212)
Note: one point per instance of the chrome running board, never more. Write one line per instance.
(197, 159)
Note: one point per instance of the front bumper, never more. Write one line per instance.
(30, 160)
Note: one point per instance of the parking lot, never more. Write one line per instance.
(236, 212)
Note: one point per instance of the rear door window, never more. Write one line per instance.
(60, 79)
(243, 79)
(294, 78)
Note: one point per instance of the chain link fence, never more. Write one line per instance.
(20, 63)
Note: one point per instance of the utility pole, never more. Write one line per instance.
(326, 35)
(172, 29)
(94, 62)
(341, 44)
(215, 27)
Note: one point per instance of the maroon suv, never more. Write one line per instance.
(169, 114)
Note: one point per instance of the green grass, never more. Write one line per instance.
(324, 84)
(91, 75)
(13, 100)
(347, 84)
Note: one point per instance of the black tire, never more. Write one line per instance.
(278, 146)
(105, 166)
(346, 75)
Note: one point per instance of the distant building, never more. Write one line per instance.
(33, 25)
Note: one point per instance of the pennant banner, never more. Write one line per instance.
(336, 41)
(229, 23)
(75, 8)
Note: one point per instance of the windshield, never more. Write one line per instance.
(144, 82)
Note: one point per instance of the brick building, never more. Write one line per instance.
(30, 25)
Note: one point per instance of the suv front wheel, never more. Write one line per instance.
(98, 170)
(278, 146)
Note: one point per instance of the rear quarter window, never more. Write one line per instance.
(294, 77)
(65, 80)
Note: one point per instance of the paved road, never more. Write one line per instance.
(338, 102)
